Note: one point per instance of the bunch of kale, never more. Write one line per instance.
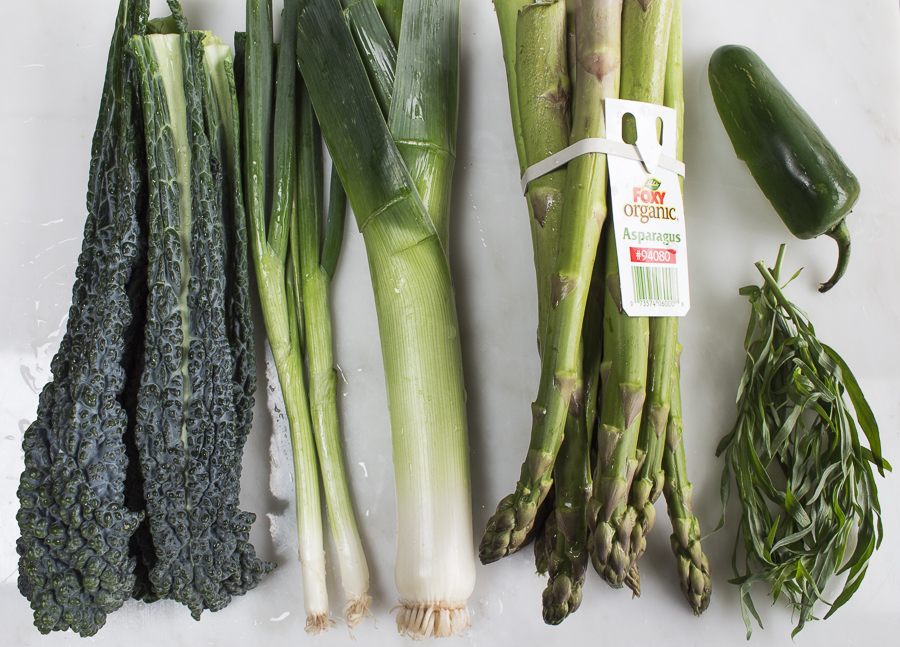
(132, 467)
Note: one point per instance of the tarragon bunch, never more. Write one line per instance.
(804, 481)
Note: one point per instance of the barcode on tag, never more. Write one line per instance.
(655, 286)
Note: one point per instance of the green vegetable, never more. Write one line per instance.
(798, 170)
(435, 567)
(583, 213)
(151, 403)
(619, 504)
(691, 564)
(391, 13)
(74, 520)
(662, 371)
(543, 91)
(188, 432)
(804, 480)
(622, 370)
(425, 103)
(314, 281)
(541, 122)
(378, 51)
(612, 522)
(272, 158)
(567, 553)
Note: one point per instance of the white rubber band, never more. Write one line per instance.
(593, 145)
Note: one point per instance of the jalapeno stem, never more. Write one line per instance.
(841, 236)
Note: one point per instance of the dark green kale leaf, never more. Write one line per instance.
(75, 566)
(222, 112)
(192, 417)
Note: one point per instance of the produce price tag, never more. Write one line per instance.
(648, 213)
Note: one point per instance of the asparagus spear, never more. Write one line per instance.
(507, 15)
(693, 567)
(624, 370)
(539, 84)
(592, 334)
(649, 479)
(617, 530)
(568, 558)
(663, 331)
(545, 530)
(542, 91)
(538, 87)
(584, 210)
(567, 555)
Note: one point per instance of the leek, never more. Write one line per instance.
(435, 569)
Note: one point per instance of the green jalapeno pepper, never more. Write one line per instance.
(798, 170)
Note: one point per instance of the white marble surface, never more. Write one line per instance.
(839, 58)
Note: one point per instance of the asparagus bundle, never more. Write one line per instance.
(605, 484)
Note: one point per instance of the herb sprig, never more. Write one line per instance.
(804, 481)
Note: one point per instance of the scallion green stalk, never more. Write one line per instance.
(269, 237)
(315, 281)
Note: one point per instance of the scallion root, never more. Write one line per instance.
(357, 610)
(316, 625)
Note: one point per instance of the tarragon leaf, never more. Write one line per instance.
(863, 411)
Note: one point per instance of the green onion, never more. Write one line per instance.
(314, 283)
(269, 238)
